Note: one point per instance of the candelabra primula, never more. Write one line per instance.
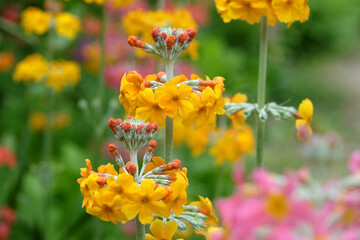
(154, 189)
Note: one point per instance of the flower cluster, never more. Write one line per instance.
(7, 218)
(251, 11)
(34, 20)
(193, 100)
(291, 207)
(114, 3)
(154, 189)
(142, 22)
(7, 157)
(304, 116)
(56, 74)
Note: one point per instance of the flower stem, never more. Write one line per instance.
(169, 123)
(260, 124)
(102, 58)
(134, 160)
(140, 229)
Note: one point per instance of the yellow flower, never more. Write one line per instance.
(173, 99)
(88, 187)
(121, 3)
(206, 208)
(107, 207)
(156, 162)
(149, 109)
(37, 121)
(61, 74)
(222, 7)
(85, 172)
(99, 2)
(146, 203)
(305, 115)
(124, 186)
(67, 25)
(288, 10)
(131, 85)
(178, 197)
(271, 16)
(108, 168)
(161, 231)
(247, 10)
(7, 59)
(238, 118)
(35, 20)
(32, 69)
(277, 206)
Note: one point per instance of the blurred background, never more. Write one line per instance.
(318, 59)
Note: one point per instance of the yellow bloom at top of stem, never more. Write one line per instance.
(247, 10)
(146, 203)
(174, 99)
(277, 206)
(32, 69)
(37, 121)
(206, 208)
(67, 25)
(99, 2)
(108, 168)
(289, 10)
(88, 188)
(178, 196)
(35, 20)
(161, 231)
(149, 109)
(107, 207)
(85, 172)
(120, 3)
(62, 73)
(304, 116)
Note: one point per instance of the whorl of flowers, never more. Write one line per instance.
(251, 11)
(115, 3)
(195, 101)
(37, 21)
(155, 189)
(55, 74)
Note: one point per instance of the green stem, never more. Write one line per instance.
(260, 124)
(220, 182)
(102, 60)
(140, 229)
(16, 31)
(169, 122)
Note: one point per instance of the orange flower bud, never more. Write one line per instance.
(163, 35)
(191, 33)
(176, 164)
(159, 76)
(155, 34)
(182, 38)
(132, 40)
(101, 181)
(113, 125)
(131, 168)
(112, 148)
(139, 44)
(147, 84)
(170, 41)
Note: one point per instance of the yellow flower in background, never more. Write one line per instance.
(149, 109)
(146, 203)
(161, 231)
(37, 121)
(206, 208)
(61, 74)
(32, 69)
(67, 25)
(107, 207)
(174, 99)
(60, 121)
(304, 115)
(238, 118)
(288, 10)
(91, 57)
(99, 2)
(35, 20)
(247, 10)
(7, 59)
(120, 3)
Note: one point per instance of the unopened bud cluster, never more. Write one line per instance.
(170, 43)
(135, 134)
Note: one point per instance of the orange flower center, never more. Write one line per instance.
(145, 200)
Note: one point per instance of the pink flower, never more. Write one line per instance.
(354, 162)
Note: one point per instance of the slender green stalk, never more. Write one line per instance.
(260, 124)
(140, 229)
(102, 60)
(169, 123)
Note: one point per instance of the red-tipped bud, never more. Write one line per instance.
(130, 117)
(159, 76)
(297, 115)
(163, 35)
(170, 41)
(191, 33)
(131, 168)
(140, 44)
(113, 125)
(139, 128)
(176, 163)
(147, 84)
(207, 83)
(155, 127)
(152, 146)
(148, 128)
(125, 126)
(101, 181)
(182, 38)
(118, 121)
(155, 34)
(174, 30)
(132, 41)
(173, 179)
(112, 148)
